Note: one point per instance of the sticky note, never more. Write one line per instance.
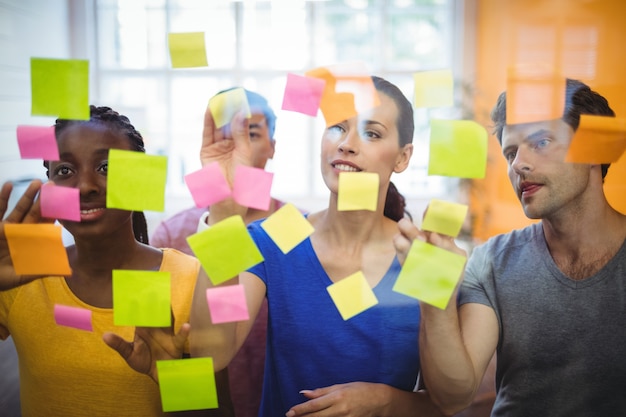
(187, 50)
(358, 191)
(208, 185)
(37, 142)
(187, 384)
(60, 87)
(444, 217)
(598, 140)
(141, 298)
(227, 303)
(78, 318)
(352, 295)
(37, 249)
(252, 187)
(225, 249)
(457, 148)
(225, 105)
(136, 181)
(430, 274)
(287, 227)
(58, 202)
(303, 94)
(534, 94)
(433, 88)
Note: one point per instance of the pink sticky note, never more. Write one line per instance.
(252, 187)
(227, 303)
(208, 185)
(303, 94)
(60, 202)
(37, 142)
(78, 318)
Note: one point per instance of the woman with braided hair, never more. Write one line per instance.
(65, 371)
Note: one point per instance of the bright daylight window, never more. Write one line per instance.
(255, 44)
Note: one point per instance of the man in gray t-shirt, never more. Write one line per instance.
(550, 299)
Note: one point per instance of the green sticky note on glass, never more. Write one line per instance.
(287, 227)
(352, 295)
(224, 106)
(187, 50)
(458, 148)
(141, 298)
(187, 384)
(60, 88)
(433, 88)
(225, 249)
(136, 181)
(430, 274)
(358, 191)
(444, 217)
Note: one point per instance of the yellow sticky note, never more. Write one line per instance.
(430, 274)
(287, 227)
(444, 217)
(225, 249)
(352, 295)
(141, 298)
(136, 181)
(187, 384)
(358, 191)
(534, 93)
(224, 106)
(60, 88)
(37, 249)
(458, 148)
(187, 50)
(598, 140)
(433, 88)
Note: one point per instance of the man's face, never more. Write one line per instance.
(260, 141)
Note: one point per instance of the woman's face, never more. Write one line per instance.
(84, 152)
(368, 142)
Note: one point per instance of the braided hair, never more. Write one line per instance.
(121, 124)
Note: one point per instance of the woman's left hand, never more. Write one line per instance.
(360, 399)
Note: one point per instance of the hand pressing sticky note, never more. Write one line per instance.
(78, 318)
(136, 181)
(187, 384)
(208, 185)
(60, 87)
(430, 274)
(37, 249)
(358, 191)
(598, 140)
(187, 50)
(227, 304)
(303, 94)
(225, 105)
(141, 298)
(252, 187)
(444, 217)
(287, 227)
(225, 249)
(433, 88)
(37, 142)
(458, 148)
(352, 295)
(59, 202)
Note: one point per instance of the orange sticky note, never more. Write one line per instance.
(352, 295)
(534, 94)
(598, 140)
(37, 249)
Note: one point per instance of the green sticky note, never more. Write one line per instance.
(60, 88)
(187, 384)
(136, 181)
(458, 148)
(433, 88)
(358, 191)
(225, 249)
(430, 274)
(444, 217)
(224, 106)
(287, 227)
(352, 295)
(141, 298)
(187, 50)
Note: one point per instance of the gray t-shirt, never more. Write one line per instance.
(562, 344)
